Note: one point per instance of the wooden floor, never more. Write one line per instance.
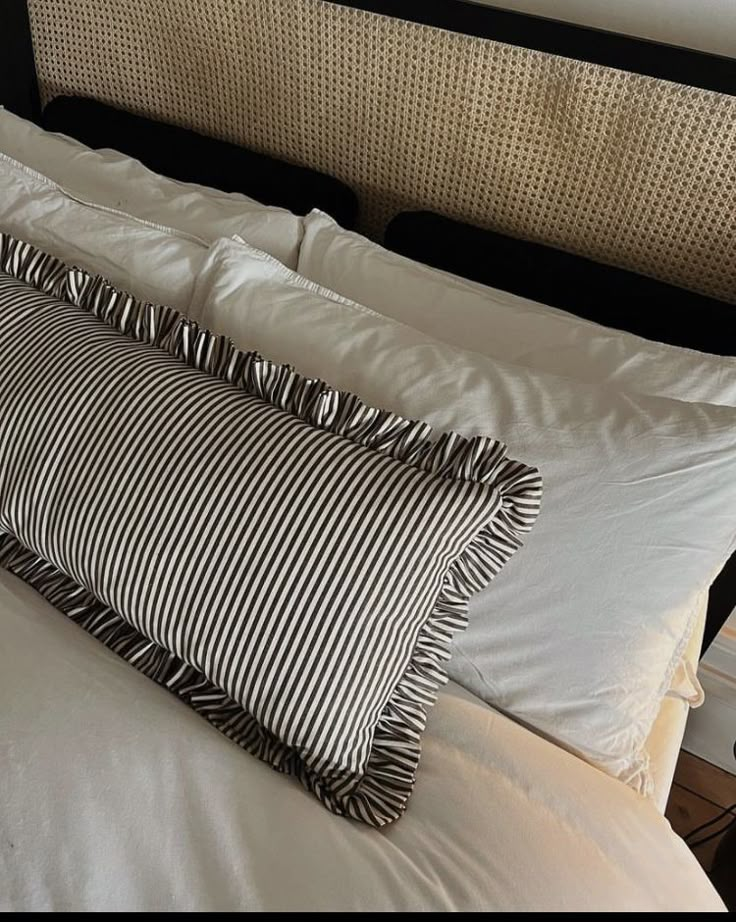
(700, 792)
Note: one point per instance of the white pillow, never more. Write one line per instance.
(502, 325)
(581, 635)
(155, 263)
(113, 180)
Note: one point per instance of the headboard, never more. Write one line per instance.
(586, 155)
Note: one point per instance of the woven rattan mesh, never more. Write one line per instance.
(626, 169)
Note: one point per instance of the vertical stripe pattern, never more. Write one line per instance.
(290, 562)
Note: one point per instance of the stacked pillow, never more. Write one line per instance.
(109, 180)
(505, 326)
(588, 624)
(157, 263)
(109, 214)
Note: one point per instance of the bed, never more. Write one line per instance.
(116, 796)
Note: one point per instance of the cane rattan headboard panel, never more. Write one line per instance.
(627, 169)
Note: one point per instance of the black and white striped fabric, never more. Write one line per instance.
(287, 560)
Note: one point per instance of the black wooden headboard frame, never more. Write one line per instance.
(18, 84)
(582, 43)
(19, 92)
(18, 88)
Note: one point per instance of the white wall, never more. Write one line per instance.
(709, 25)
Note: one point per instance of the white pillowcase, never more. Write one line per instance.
(154, 263)
(113, 180)
(580, 636)
(502, 325)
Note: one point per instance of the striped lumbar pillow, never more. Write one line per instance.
(287, 560)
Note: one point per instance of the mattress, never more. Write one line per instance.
(114, 796)
(667, 734)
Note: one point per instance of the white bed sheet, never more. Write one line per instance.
(115, 796)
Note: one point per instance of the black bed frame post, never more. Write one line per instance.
(18, 83)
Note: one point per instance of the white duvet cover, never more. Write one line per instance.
(115, 796)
